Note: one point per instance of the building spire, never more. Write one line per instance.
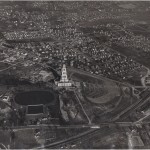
(64, 82)
(64, 77)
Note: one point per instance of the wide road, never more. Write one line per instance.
(79, 71)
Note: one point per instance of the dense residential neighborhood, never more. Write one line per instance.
(74, 75)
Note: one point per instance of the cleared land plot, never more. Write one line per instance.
(97, 90)
(25, 138)
(118, 140)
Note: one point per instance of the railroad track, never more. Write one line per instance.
(73, 139)
(85, 136)
(136, 106)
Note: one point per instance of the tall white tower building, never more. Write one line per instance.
(64, 82)
(64, 77)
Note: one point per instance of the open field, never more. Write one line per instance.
(117, 140)
(97, 90)
(102, 99)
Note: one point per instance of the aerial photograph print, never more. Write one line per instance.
(74, 74)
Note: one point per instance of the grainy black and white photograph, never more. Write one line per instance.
(75, 75)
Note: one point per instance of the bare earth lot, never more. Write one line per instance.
(103, 91)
